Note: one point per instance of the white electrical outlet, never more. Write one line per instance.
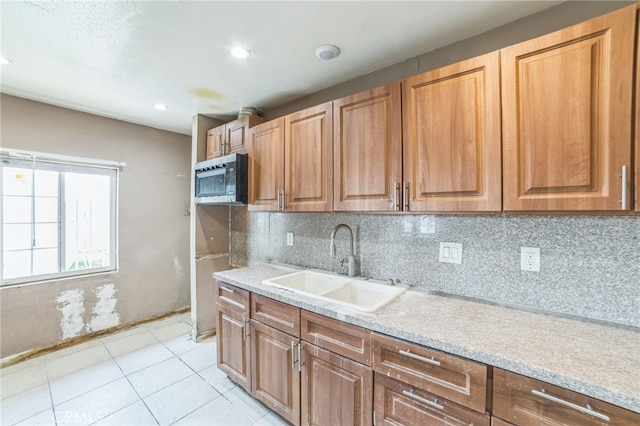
(530, 259)
(289, 238)
(451, 253)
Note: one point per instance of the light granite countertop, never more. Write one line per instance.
(594, 359)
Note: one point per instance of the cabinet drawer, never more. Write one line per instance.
(447, 376)
(278, 315)
(232, 297)
(345, 339)
(524, 401)
(399, 403)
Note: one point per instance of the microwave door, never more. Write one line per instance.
(211, 183)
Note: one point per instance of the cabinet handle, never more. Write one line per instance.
(586, 410)
(433, 404)
(420, 358)
(280, 200)
(221, 147)
(227, 289)
(299, 357)
(244, 331)
(284, 200)
(293, 359)
(396, 201)
(405, 196)
(624, 201)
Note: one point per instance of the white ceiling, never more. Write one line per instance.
(118, 58)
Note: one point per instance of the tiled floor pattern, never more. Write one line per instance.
(152, 374)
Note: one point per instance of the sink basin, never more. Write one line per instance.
(308, 282)
(360, 294)
(365, 296)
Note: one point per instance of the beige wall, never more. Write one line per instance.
(153, 238)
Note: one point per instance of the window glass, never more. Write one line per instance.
(57, 220)
(16, 236)
(17, 209)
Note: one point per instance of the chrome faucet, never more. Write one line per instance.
(350, 259)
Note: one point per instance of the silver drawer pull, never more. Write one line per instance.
(420, 358)
(433, 404)
(227, 289)
(586, 410)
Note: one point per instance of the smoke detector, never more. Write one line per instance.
(327, 52)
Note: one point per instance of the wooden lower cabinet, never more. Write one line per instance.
(275, 377)
(397, 403)
(234, 346)
(335, 389)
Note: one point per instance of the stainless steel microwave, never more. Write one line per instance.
(222, 180)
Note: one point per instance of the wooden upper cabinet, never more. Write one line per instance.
(308, 162)
(266, 168)
(452, 152)
(367, 154)
(566, 102)
(231, 138)
(215, 138)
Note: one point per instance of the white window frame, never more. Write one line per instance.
(59, 163)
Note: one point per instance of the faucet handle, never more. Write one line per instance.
(342, 261)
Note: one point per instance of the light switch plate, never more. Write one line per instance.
(451, 253)
(290, 238)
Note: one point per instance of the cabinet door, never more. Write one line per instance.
(236, 136)
(335, 390)
(566, 99)
(452, 150)
(215, 142)
(266, 169)
(275, 376)
(367, 154)
(308, 160)
(234, 346)
(396, 403)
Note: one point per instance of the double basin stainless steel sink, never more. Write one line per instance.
(357, 293)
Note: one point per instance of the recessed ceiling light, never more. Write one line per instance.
(240, 52)
(161, 107)
(4, 61)
(327, 52)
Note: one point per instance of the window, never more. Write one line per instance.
(58, 219)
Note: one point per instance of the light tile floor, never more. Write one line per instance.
(148, 375)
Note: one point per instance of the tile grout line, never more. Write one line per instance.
(53, 407)
(132, 387)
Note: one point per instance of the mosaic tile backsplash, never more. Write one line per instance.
(590, 265)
